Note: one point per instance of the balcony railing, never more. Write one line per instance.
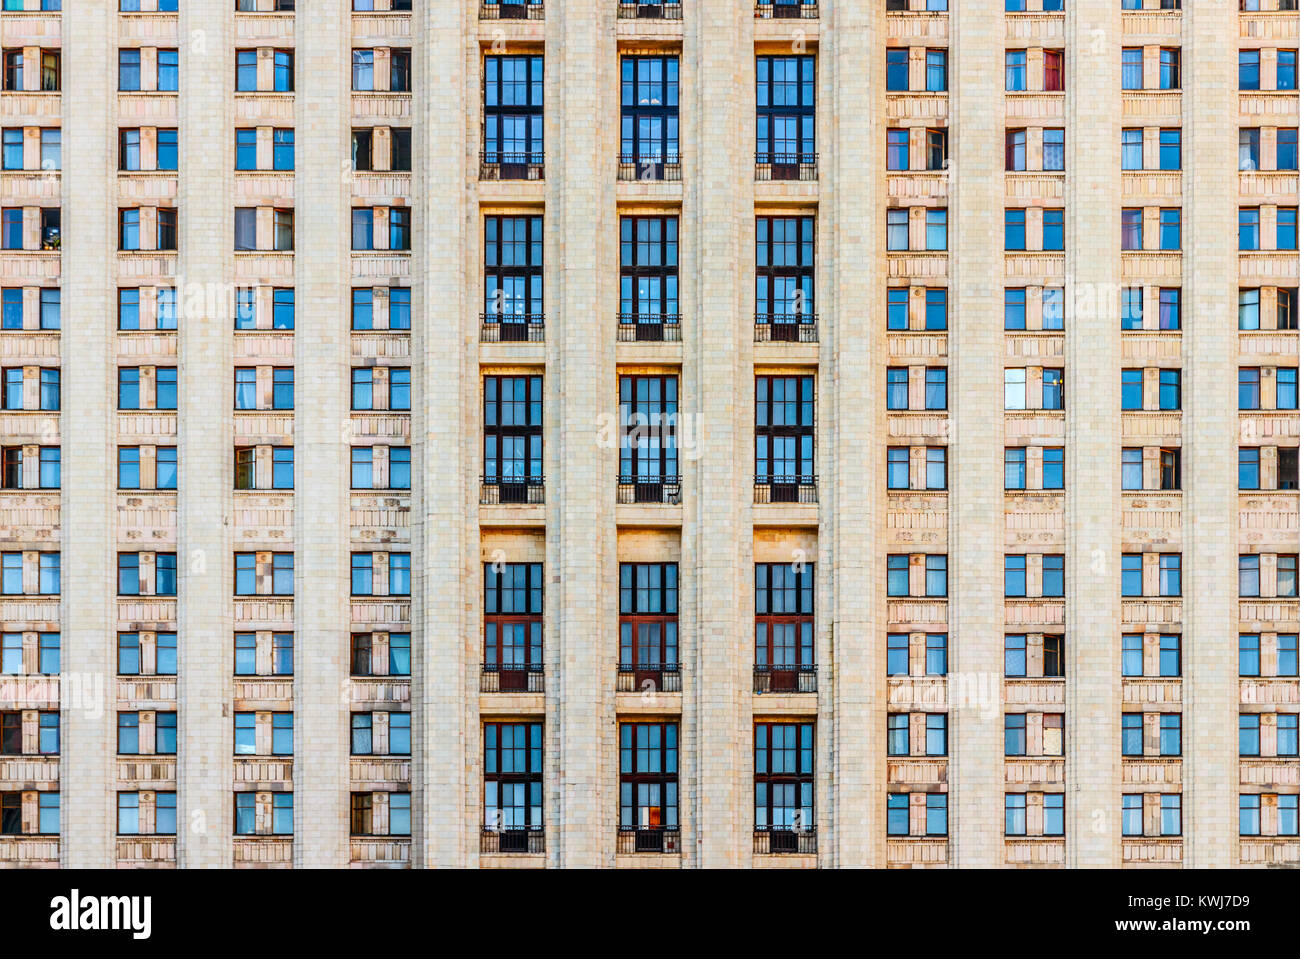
(660, 677)
(512, 678)
(512, 327)
(785, 11)
(785, 679)
(650, 167)
(801, 842)
(645, 489)
(495, 165)
(785, 327)
(522, 839)
(785, 166)
(503, 491)
(649, 11)
(785, 489)
(649, 839)
(649, 328)
(529, 10)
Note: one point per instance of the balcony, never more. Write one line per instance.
(511, 491)
(495, 165)
(649, 328)
(800, 842)
(512, 327)
(633, 839)
(519, 840)
(785, 489)
(785, 327)
(649, 678)
(649, 11)
(650, 168)
(512, 678)
(768, 10)
(650, 489)
(530, 10)
(785, 679)
(785, 166)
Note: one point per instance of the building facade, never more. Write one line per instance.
(584, 433)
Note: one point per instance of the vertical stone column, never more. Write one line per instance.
(851, 245)
(1210, 525)
(88, 276)
(443, 494)
(321, 427)
(205, 460)
(975, 281)
(718, 390)
(1092, 434)
(581, 270)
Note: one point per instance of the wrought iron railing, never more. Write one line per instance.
(785, 679)
(668, 167)
(512, 678)
(507, 491)
(512, 327)
(650, 489)
(649, 11)
(649, 839)
(518, 839)
(649, 328)
(495, 165)
(785, 489)
(785, 166)
(785, 327)
(649, 678)
(785, 11)
(793, 841)
(528, 10)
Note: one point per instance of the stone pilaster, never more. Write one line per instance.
(205, 455)
(975, 280)
(1092, 432)
(88, 276)
(322, 424)
(443, 487)
(718, 389)
(581, 85)
(851, 238)
(1210, 524)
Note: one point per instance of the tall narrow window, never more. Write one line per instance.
(512, 437)
(512, 275)
(1054, 149)
(783, 784)
(648, 797)
(1248, 69)
(1170, 68)
(512, 786)
(936, 71)
(1131, 149)
(512, 626)
(783, 282)
(783, 437)
(647, 456)
(784, 637)
(648, 307)
(648, 147)
(896, 149)
(1017, 71)
(647, 624)
(786, 144)
(512, 116)
(1054, 70)
(1017, 143)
